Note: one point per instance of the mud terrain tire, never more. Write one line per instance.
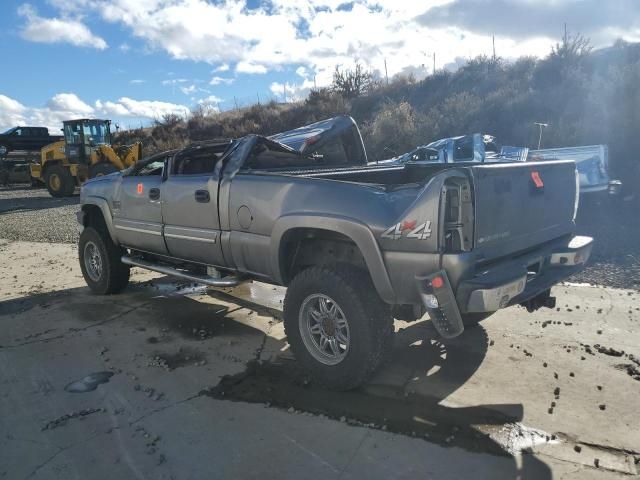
(369, 320)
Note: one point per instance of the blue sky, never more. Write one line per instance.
(135, 60)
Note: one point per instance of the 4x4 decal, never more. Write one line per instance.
(419, 232)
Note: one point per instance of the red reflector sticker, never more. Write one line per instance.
(140, 188)
(437, 282)
(535, 176)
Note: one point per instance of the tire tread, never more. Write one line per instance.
(368, 305)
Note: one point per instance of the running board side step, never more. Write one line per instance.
(230, 281)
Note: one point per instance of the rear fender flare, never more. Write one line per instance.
(355, 230)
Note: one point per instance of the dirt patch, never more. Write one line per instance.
(183, 357)
(61, 421)
(194, 320)
(632, 370)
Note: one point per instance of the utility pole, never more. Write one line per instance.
(565, 33)
(235, 101)
(284, 92)
(315, 87)
(493, 39)
(258, 95)
(386, 73)
(541, 126)
(434, 63)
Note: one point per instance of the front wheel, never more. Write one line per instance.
(59, 181)
(100, 263)
(337, 326)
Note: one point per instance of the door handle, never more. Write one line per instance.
(154, 193)
(202, 196)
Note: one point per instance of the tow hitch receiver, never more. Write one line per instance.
(437, 297)
(542, 300)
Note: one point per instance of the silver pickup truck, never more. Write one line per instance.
(356, 245)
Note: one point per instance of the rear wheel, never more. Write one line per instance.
(100, 262)
(59, 181)
(337, 326)
(100, 169)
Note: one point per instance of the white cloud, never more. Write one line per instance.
(12, 113)
(68, 102)
(210, 104)
(124, 47)
(316, 35)
(137, 81)
(291, 92)
(256, 40)
(152, 109)
(221, 80)
(67, 106)
(57, 30)
(62, 106)
(210, 99)
(189, 90)
(250, 67)
(174, 81)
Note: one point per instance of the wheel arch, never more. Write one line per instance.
(95, 212)
(289, 229)
(48, 164)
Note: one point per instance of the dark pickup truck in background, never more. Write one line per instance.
(19, 147)
(25, 138)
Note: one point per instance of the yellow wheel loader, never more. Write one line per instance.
(85, 152)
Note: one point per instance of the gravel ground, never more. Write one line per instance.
(33, 215)
(615, 260)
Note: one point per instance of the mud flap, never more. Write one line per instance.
(439, 300)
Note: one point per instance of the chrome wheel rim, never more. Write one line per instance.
(93, 261)
(324, 329)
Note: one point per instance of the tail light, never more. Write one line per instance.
(457, 215)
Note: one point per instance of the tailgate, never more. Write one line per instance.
(521, 205)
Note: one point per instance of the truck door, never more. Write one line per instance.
(137, 212)
(190, 206)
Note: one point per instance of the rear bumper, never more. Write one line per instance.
(503, 283)
(516, 281)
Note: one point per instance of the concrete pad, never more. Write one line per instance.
(168, 344)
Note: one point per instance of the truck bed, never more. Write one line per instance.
(370, 174)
